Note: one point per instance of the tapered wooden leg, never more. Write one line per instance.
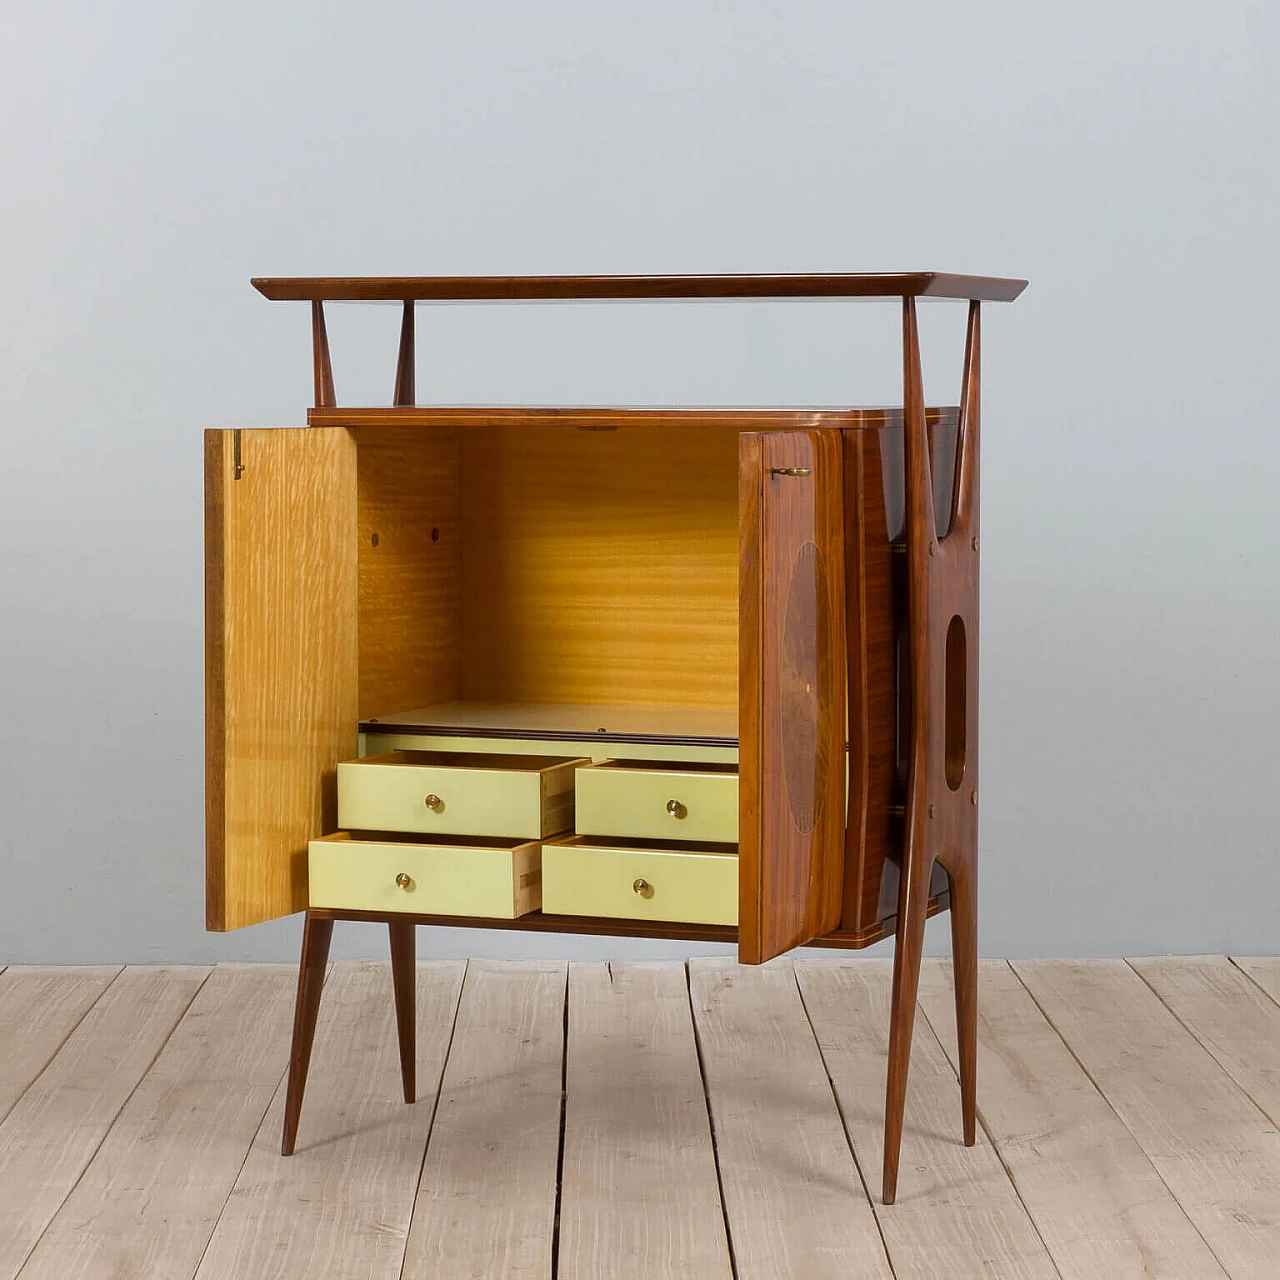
(403, 978)
(964, 961)
(913, 906)
(316, 935)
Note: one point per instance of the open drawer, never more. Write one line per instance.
(693, 884)
(425, 877)
(641, 800)
(458, 793)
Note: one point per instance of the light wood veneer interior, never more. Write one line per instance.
(566, 565)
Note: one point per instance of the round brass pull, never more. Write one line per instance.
(404, 881)
(676, 809)
(643, 888)
(434, 803)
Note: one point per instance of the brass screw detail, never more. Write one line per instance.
(434, 802)
(643, 888)
(973, 797)
(404, 881)
(931, 811)
(676, 809)
(973, 542)
(933, 548)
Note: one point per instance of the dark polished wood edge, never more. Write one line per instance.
(542, 735)
(887, 284)
(596, 926)
(215, 694)
(317, 933)
(742, 418)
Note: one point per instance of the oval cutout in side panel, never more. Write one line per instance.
(956, 725)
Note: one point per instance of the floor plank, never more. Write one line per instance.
(640, 1194)
(793, 1198)
(1096, 1199)
(957, 1214)
(1238, 1023)
(1214, 1149)
(55, 1128)
(147, 1204)
(1264, 970)
(340, 1207)
(487, 1197)
(39, 1009)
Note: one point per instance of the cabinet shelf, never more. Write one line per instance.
(572, 722)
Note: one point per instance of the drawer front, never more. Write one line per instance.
(442, 793)
(496, 882)
(692, 886)
(651, 803)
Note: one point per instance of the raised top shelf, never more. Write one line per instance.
(891, 284)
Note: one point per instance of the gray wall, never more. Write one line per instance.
(1119, 154)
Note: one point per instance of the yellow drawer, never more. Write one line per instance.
(692, 885)
(639, 800)
(497, 881)
(458, 793)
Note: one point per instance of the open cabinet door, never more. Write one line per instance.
(280, 660)
(791, 712)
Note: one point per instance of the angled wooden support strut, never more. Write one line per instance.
(941, 821)
(405, 391)
(325, 398)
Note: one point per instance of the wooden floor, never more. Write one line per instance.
(640, 1120)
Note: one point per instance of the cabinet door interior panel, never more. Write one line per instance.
(280, 659)
(792, 711)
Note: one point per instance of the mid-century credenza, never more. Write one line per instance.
(695, 673)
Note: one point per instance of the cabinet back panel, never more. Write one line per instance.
(410, 510)
(601, 566)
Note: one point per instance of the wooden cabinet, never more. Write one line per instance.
(687, 673)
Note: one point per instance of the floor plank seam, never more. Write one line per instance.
(119, 1112)
(844, 1126)
(1252, 980)
(435, 1105)
(995, 1147)
(235, 1182)
(564, 1106)
(1195, 1035)
(70, 1032)
(711, 1124)
(1098, 1089)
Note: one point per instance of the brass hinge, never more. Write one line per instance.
(236, 465)
(789, 471)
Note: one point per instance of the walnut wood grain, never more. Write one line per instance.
(317, 933)
(941, 822)
(893, 284)
(872, 829)
(599, 926)
(600, 418)
(322, 365)
(792, 659)
(403, 940)
(405, 388)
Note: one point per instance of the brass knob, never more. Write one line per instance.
(676, 809)
(404, 881)
(434, 803)
(643, 888)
